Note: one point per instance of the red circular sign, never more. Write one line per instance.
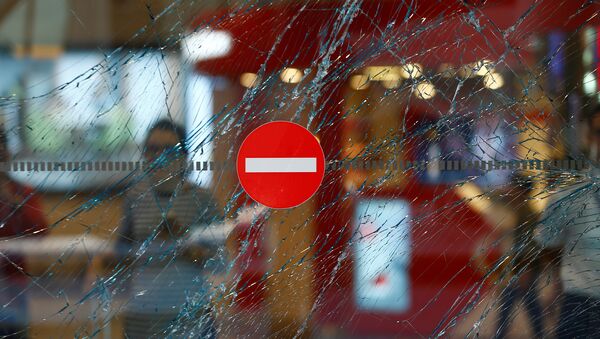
(280, 164)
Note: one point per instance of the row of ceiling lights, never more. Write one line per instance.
(392, 76)
(288, 75)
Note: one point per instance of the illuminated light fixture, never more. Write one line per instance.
(425, 90)
(291, 75)
(392, 83)
(447, 70)
(248, 79)
(589, 83)
(388, 75)
(483, 67)
(589, 41)
(493, 80)
(382, 73)
(411, 71)
(206, 44)
(359, 82)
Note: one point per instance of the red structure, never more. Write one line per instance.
(341, 37)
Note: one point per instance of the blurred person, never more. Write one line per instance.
(160, 210)
(22, 216)
(523, 263)
(569, 232)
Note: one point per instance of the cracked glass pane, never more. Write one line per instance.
(326, 169)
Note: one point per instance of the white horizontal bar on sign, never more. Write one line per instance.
(281, 165)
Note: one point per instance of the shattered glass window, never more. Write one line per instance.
(326, 169)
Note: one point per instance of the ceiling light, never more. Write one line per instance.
(447, 70)
(248, 79)
(493, 80)
(411, 71)
(392, 84)
(425, 90)
(388, 75)
(291, 75)
(206, 44)
(483, 67)
(589, 83)
(359, 82)
(382, 73)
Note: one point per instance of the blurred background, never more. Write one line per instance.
(377, 81)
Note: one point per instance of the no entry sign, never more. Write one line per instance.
(280, 164)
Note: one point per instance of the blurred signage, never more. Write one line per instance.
(382, 255)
